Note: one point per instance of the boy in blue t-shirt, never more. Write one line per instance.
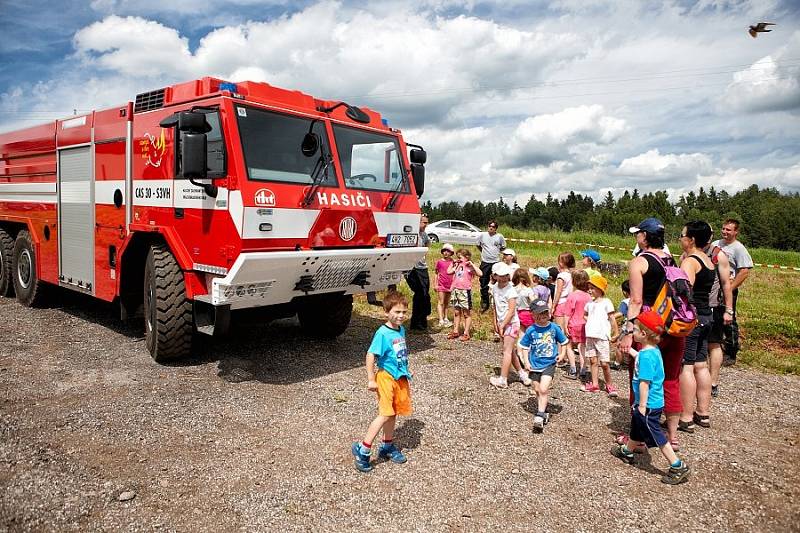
(648, 392)
(388, 375)
(542, 343)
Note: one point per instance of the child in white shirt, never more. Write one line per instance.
(600, 323)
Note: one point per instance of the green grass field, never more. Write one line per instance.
(769, 313)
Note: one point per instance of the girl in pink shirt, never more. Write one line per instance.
(463, 271)
(576, 321)
(444, 281)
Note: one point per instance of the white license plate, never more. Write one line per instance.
(401, 240)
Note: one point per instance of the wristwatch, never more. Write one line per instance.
(627, 327)
(729, 312)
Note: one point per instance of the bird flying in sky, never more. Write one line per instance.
(759, 28)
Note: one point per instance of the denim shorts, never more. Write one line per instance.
(696, 350)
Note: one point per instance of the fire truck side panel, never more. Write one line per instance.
(28, 191)
(110, 232)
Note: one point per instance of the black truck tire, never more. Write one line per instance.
(28, 287)
(325, 316)
(6, 255)
(168, 321)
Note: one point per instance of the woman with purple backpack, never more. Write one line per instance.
(695, 376)
(647, 275)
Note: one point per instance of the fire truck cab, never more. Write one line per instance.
(206, 197)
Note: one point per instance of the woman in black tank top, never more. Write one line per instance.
(695, 377)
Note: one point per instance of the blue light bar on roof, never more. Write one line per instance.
(227, 86)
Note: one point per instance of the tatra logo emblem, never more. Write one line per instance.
(347, 228)
(264, 198)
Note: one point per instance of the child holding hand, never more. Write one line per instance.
(463, 271)
(444, 283)
(648, 391)
(506, 325)
(599, 326)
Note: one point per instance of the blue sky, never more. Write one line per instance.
(510, 98)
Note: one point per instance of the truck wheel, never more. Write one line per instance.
(433, 237)
(168, 323)
(325, 316)
(27, 285)
(6, 253)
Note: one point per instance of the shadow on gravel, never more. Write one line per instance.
(105, 314)
(620, 411)
(409, 433)
(531, 406)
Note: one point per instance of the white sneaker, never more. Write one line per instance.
(524, 378)
(446, 322)
(499, 382)
(538, 423)
(442, 323)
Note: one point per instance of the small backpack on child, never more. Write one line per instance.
(674, 299)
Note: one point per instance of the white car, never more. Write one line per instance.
(454, 231)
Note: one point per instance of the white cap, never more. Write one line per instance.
(509, 251)
(502, 269)
(448, 246)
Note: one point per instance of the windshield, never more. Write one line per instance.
(271, 144)
(369, 160)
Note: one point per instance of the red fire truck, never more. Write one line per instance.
(206, 197)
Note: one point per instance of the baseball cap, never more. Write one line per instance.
(501, 269)
(594, 255)
(509, 251)
(539, 306)
(541, 272)
(650, 225)
(652, 321)
(448, 246)
(600, 282)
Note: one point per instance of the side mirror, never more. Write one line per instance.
(194, 156)
(191, 122)
(418, 174)
(419, 156)
(310, 144)
(194, 161)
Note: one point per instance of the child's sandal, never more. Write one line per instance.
(701, 420)
(453, 335)
(464, 337)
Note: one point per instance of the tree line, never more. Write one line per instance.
(770, 219)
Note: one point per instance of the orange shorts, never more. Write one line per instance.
(394, 396)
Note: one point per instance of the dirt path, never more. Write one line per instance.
(255, 435)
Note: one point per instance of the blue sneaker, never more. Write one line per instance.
(390, 451)
(361, 460)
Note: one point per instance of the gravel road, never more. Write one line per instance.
(254, 435)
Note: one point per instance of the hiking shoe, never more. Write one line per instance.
(614, 366)
(538, 422)
(498, 382)
(546, 417)
(676, 476)
(618, 451)
(715, 391)
(640, 448)
(390, 452)
(590, 387)
(572, 374)
(360, 460)
(612, 391)
(524, 377)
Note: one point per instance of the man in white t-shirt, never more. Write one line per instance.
(490, 243)
(740, 265)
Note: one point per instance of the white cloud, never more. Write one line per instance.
(653, 167)
(770, 84)
(542, 139)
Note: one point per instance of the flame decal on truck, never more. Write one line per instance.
(153, 148)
